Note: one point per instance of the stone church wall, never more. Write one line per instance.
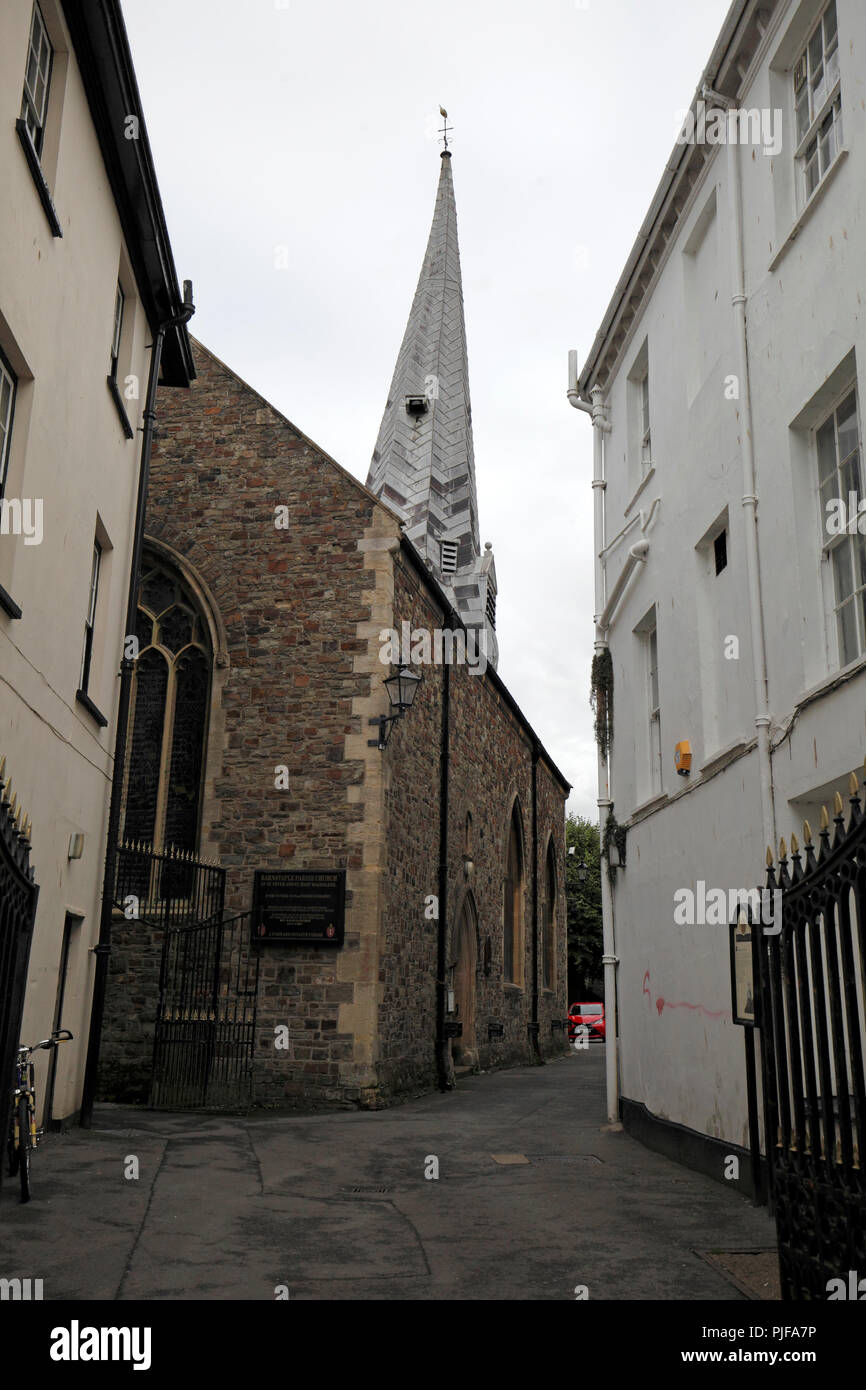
(296, 614)
(490, 764)
(291, 600)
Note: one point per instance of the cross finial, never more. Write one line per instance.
(445, 127)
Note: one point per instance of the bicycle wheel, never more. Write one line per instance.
(24, 1145)
(11, 1149)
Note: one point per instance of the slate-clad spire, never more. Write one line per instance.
(423, 465)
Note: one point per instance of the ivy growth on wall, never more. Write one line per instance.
(601, 699)
(614, 834)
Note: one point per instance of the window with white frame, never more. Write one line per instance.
(655, 728)
(7, 407)
(90, 620)
(840, 476)
(818, 103)
(646, 439)
(37, 77)
(117, 330)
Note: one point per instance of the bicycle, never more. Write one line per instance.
(23, 1134)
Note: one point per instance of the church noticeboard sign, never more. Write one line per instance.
(299, 906)
(743, 971)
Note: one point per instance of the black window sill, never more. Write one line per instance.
(114, 391)
(84, 699)
(8, 604)
(38, 178)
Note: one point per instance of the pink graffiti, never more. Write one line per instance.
(662, 1003)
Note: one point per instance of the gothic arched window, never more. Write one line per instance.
(169, 713)
(512, 952)
(548, 941)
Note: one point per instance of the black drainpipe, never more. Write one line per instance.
(534, 1025)
(443, 1056)
(102, 949)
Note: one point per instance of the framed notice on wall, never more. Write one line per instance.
(743, 993)
(299, 906)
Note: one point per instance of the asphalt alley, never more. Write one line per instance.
(534, 1197)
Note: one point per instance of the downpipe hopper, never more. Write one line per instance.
(573, 393)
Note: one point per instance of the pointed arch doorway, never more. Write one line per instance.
(464, 1048)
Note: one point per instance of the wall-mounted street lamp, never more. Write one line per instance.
(614, 858)
(402, 688)
(582, 871)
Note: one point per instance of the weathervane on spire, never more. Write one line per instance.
(445, 127)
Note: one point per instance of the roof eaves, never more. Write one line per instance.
(737, 20)
(104, 60)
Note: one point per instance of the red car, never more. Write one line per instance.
(591, 1016)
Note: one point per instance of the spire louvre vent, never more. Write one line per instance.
(490, 607)
(448, 557)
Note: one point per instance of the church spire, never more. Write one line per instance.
(423, 464)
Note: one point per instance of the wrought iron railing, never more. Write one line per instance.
(18, 895)
(171, 887)
(204, 1041)
(811, 979)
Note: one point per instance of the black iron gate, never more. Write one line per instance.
(18, 895)
(811, 980)
(205, 1026)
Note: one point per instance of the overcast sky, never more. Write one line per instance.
(311, 125)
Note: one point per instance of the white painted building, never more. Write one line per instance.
(727, 382)
(86, 277)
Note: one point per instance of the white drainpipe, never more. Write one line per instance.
(750, 500)
(609, 958)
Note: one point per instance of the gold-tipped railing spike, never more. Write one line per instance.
(837, 803)
(2, 769)
(7, 792)
(825, 819)
(795, 848)
(853, 784)
(783, 853)
(807, 832)
(769, 857)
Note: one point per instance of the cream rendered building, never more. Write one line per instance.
(86, 277)
(726, 385)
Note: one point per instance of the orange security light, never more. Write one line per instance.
(683, 758)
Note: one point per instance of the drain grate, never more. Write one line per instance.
(367, 1191)
(564, 1158)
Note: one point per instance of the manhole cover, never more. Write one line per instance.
(563, 1158)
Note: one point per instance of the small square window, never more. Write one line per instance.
(720, 551)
